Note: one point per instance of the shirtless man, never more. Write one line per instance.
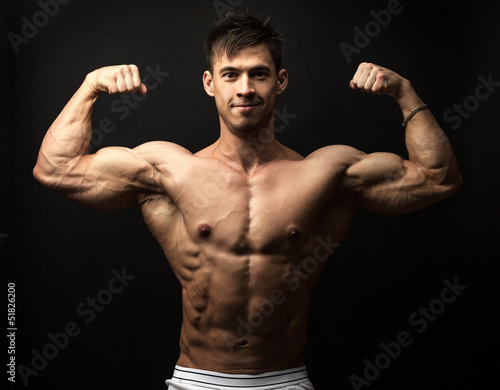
(246, 223)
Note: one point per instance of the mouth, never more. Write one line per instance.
(245, 107)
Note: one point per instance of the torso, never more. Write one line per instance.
(247, 250)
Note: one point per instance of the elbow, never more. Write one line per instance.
(448, 180)
(451, 184)
(39, 175)
(44, 177)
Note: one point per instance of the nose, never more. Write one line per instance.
(245, 87)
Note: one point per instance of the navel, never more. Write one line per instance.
(293, 233)
(204, 230)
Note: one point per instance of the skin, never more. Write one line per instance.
(237, 219)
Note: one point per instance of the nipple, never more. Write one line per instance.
(204, 230)
(293, 233)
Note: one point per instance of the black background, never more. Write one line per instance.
(58, 253)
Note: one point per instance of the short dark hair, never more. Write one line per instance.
(237, 31)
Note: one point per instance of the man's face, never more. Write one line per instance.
(245, 89)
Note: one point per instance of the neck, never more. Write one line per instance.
(248, 151)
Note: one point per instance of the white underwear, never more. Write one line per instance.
(192, 379)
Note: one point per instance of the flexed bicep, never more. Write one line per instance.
(109, 179)
(385, 183)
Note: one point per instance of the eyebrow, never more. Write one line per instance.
(254, 69)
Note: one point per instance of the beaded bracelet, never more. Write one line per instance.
(414, 111)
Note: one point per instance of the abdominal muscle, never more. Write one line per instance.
(240, 314)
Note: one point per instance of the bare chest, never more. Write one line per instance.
(272, 212)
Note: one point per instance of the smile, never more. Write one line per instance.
(246, 107)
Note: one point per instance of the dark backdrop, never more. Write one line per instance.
(59, 253)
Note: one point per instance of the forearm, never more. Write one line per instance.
(69, 135)
(426, 142)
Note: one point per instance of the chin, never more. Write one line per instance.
(248, 125)
(246, 128)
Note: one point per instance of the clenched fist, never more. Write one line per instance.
(377, 80)
(116, 79)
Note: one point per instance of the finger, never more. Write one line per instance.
(370, 80)
(136, 78)
(380, 84)
(361, 82)
(362, 75)
(361, 69)
(132, 78)
(129, 80)
(355, 78)
(121, 83)
(112, 86)
(124, 79)
(142, 89)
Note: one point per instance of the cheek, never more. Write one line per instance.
(268, 93)
(220, 102)
(270, 99)
(222, 95)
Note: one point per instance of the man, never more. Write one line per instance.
(246, 223)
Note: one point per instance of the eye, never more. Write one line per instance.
(260, 75)
(229, 75)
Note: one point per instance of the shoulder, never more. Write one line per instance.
(342, 155)
(162, 152)
(334, 163)
(160, 147)
(326, 166)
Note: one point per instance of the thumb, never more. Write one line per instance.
(142, 89)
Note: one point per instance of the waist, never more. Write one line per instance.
(223, 381)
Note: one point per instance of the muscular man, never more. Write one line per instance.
(246, 223)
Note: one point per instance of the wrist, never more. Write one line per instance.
(407, 98)
(89, 88)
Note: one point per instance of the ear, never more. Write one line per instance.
(208, 83)
(282, 81)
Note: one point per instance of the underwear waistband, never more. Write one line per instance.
(225, 381)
